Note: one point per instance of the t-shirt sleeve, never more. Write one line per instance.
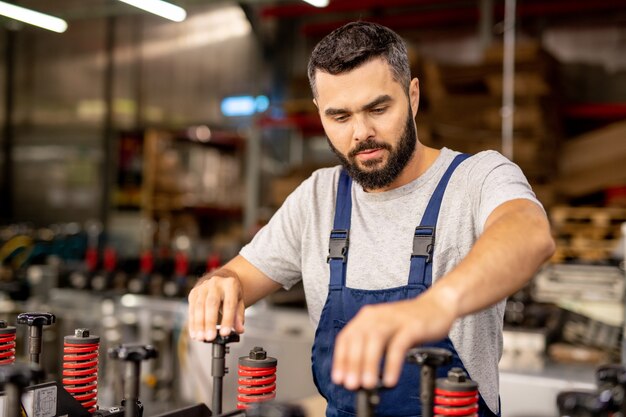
(276, 249)
(496, 180)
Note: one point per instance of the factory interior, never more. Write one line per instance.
(142, 149)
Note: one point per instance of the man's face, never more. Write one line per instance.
(368, 119)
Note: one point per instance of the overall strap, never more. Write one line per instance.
(421, 271)
(339, 236)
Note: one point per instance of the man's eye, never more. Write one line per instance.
(378, 110)
(341, 118)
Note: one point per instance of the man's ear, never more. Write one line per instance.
(414, 95)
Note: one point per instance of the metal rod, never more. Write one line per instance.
(253, 171)
(624, 298)
(107, 123)
(34, 344)
(366, 402)
(427, 390)
(131, 388)
(6, 186)
(485, 23)
(13, 402)
(218, 369)
(508, 79)
(137, 39)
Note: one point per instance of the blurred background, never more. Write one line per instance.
(140, 151)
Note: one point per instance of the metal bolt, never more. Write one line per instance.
(457, 375)
(258, 353)
(81, 332)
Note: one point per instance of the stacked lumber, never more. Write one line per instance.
(464, 106)
(590, 234)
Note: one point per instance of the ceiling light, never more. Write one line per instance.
(32, 17)
(317, 3)
(160, 8)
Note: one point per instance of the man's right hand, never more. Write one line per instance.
(219, 295)
(220, 298)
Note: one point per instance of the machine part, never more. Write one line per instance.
(257, 378)
(109, 412)
(213, 262)
(91, 259)
(103, 280)
(581, 404)
(366, 402)
(611, 381)
(80, 367)
(218, 367)
(7, 343)
(177, 286)
(608, 400)
(140, 284)
(35, 321)
(13, 381)
(133, 355)
(456, 395)
(429, 358)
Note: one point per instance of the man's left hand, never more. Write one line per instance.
(389, 330)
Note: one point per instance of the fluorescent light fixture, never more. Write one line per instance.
(244, 105)
(32, 17)
(317, 3)
(160, 8)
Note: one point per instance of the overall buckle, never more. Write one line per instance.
(338, 245)
(424, 242)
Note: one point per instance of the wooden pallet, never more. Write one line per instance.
(586, 233)
(596, 216)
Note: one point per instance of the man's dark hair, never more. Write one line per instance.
(354, 44)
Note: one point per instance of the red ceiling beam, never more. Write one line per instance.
(545, 8)
(398, 22)
(340, 6)
(451, 16)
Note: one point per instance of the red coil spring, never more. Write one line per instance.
(452, 403)
(7, 348)
(456, 395)
(257, 379)
(80, 372)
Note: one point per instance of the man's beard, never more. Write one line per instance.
(397, 160)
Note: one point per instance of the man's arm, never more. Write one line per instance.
(227, 291)
(515, 242)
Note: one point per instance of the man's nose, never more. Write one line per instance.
(362, 128)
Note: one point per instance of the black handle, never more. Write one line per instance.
(133, 353)
(429, 356)
(36, 319)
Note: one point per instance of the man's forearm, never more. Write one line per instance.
(507, 255)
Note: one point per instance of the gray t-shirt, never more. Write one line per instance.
(294, 244)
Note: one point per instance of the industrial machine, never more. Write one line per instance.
(26, 393)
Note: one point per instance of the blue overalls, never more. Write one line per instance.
(343, 303)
